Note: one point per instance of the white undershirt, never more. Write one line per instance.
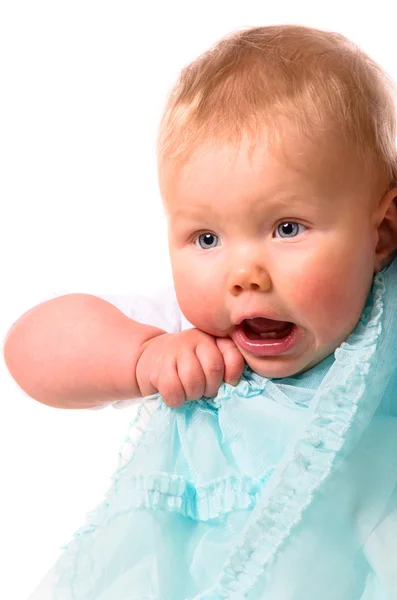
(159, 310)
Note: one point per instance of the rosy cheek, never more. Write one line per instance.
(325, 306)
(193, 299)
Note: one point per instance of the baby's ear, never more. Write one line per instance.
(386, 248)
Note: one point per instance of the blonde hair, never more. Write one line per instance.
(319, 80)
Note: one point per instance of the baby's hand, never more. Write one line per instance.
(187, 365)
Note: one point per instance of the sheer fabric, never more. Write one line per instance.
(274, 490)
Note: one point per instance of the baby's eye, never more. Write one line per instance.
(207, 240)
(289, 229)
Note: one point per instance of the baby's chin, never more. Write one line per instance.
(283, 366)
(274, 369)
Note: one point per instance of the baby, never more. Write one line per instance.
(278, 171)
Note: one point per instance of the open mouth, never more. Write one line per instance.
(266, 337)
(266, 329)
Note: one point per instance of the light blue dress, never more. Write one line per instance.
(274, 490)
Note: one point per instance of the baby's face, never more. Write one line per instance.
(255, 237)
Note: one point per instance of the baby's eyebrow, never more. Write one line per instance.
(285, 202)
(201, 215)
(183, 222)
(191, 211)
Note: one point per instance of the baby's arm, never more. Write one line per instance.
(76, 351)
(79, 351)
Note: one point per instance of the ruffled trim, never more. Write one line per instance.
(310, 461)
(160, 491)
(67, 568)
(138, 430)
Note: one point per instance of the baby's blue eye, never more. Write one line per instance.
(289, 229)
(207, 240)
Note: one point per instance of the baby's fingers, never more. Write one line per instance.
(191, 375)
(170, 386)
(211, 361)
(233, 359)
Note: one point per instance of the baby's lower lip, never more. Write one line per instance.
(265, 347)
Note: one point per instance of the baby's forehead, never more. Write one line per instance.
(310, 162)
(239, 188)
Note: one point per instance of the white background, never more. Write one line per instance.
(82, 87)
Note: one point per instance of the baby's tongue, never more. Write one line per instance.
(262, 325)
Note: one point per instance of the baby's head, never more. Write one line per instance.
(277, 166)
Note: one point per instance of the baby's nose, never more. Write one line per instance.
(253, 278)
